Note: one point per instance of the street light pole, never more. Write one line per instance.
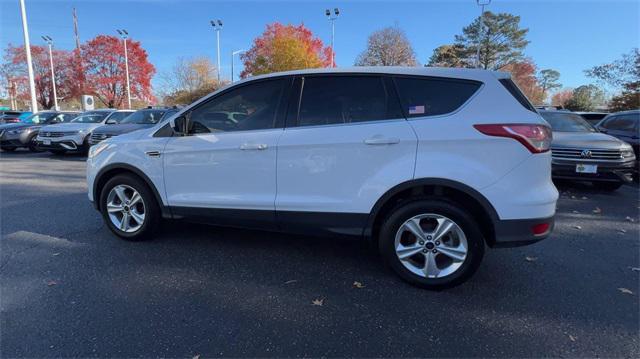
(332, 18)
(233, 54)
(217, 26)
(49, 42)
(124, 35)
(27, 50)
(482, 4)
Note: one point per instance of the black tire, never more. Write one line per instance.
(151, 208)
(58, 152)
(607, 186)
(33, 144)
(442, 207)
(8, 148)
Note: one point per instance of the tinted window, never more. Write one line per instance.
(146, 117)
(67, 117)
(119, 116)
(517, 94)
(621, 123)
(248, 107)
(345, 99)
(567, 122)
(41, 117)
(429, 97)
(91, 117)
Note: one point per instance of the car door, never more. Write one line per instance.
(224, 169)
(347, 144)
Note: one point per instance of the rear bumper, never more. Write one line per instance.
(520, 232)
(622, 172)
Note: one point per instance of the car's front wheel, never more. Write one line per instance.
(33, 144)
(129, 208)
(432, 243)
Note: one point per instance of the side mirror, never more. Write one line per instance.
(180, 124)
(111, 122)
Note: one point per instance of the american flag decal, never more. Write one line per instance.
(416, 110)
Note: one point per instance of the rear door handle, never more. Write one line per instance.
(379, 140)
(153, 153)
(253, 146)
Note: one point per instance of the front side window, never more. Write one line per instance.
(144, 117)
(621, 123)
(40, 118)
(567, 122)
(430, 96)
(119, 116)
(328, 100)
(91, 117)
(248, 107)
(67, 117)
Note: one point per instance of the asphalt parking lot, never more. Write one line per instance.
(70, 288)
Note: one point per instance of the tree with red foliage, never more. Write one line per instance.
(524, 75)
(15, 70)
(104, 67)
(285, 47)
(560, 98)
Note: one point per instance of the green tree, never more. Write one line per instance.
(387, 47)
(548, 80)
(622, 75)
(501, 40)
(629, 99)
(585, 98)
(449, 56)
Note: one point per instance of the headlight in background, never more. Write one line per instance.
(627, 152)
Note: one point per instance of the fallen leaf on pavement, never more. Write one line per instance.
(291, 281)
(620, 230)
(629, 219)
(319, 301)
(577, 227)
(51, 282)
(573, 197)
(358, 285)
(583, 197)
(597, 210)
(197, 356)
(635, 269)
(56, 254)
(576, 212)
(572, 338)
(531, 259)
(625, 291)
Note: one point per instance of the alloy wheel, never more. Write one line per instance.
(125, 208)
(431, 246)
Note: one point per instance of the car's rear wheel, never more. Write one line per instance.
(431, 243)
(129, 208)
(607, 186)
(8, 148)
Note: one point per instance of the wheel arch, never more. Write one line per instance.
(108, 172)
(459, 193)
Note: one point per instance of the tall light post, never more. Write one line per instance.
(217, 26)
(233, 54)
(482, 4)
(332, 18)
(27, 50)
(124, 35)
(49, 42)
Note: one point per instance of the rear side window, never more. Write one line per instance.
(430, 97)
(517, 94)
(621, 123)
(328, 100)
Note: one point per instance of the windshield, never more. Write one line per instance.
(91, 117)
(567, 122)
(42, 117)
(144, 117)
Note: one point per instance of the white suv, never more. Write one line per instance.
(429, 164)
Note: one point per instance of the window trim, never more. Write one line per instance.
(436, 78)
(294, 123)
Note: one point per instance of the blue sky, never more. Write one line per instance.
(566, 35)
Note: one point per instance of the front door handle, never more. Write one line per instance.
(253, 146)
(379, 140)
(153, 153)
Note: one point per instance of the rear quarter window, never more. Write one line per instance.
(433, 96)
(517, 94)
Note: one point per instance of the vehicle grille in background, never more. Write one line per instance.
(586, 154)
(54, 134)
(97, 137)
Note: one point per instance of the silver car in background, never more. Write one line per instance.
(580, 152)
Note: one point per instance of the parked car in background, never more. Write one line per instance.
(625, 126)
(430, 164)
(73, 136)
(140, 119)
(24, 134)
(13, 116)
(592, 117)
(580, 152)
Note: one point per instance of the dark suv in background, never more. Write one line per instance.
(23, 134)
(625, 126)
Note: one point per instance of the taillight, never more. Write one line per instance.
(540, 229)
(536, 138)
